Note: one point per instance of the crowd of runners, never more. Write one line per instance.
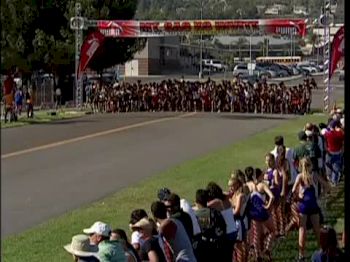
(243, 222)
(209, 96)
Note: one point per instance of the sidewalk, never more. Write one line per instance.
(43, 116)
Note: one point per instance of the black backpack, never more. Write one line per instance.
(208, 245)
(215, 229)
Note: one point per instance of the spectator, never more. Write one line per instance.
(213, 229)
(174, 210)
(150, 250)
(329, 250)
(29, 103)
(19, 101)
(58, 94)
(335, 142)
(301, 150)
(130, 252)
(312, 145)
(164, 194)
(173, 234)
(82, 250)
(136, 216)
(218, 200)
(109, 251)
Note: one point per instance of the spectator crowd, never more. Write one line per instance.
(209, 96)
(259, 208)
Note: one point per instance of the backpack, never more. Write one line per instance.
(214, 229)
(314, 152)
(208, 245)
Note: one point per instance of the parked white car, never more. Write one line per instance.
(215, 64)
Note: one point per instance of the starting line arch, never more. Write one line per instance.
(146, 29)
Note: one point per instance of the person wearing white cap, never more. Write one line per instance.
(82, 250)
(109, 250)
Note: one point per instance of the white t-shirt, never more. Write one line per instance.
(289, 157)
(58, 92)
(136, 238)
(186, 207)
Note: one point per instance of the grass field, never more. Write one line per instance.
(41, 117)
(45, 242)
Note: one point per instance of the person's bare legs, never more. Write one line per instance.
(269, 225)
(302, 234)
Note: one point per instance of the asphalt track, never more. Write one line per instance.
(49, 169)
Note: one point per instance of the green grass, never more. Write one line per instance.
(44, 243)
(41, 117)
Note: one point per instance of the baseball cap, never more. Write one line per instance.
(99, 228)
(163, 194)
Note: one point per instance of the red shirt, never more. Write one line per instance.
(8, 85)
(335, 140)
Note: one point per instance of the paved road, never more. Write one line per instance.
(46, 181)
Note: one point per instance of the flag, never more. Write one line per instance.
(337, 50)
(88, 49)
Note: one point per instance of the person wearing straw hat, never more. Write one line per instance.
(82, 250)
(151, 250)
(109, 251)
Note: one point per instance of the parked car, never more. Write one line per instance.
(307, 66)
(215, 64)
(251, 79)
(276, 69)
(242, 70)
(294, 70)
(289, 71)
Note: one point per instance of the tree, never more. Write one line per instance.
(36, 33)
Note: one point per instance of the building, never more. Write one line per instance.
(160, 55)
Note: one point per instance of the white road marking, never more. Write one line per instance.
(102, 133)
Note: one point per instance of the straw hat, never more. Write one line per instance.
(80, 246)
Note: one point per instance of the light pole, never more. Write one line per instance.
(201, 47)
(250, 48)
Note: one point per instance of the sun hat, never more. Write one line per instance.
(80, 246)
(143, 223)
(99, 228)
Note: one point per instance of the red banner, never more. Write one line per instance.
(129, 28)
(91, 44)
(337, 50)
